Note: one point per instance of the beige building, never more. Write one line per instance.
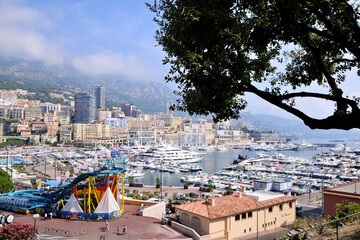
(17, 113)
(101, 114)
(66, 133)
(231, 137)
(91, 132)
(63, 116)
(33, 112)
(52, 128)
(49, 117)
(169, 120)
(237, 215)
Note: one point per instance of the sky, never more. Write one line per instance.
(106, 37)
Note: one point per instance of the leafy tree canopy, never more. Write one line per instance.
(219, 50)
(6, 184)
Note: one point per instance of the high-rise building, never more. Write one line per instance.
(130, 110)
(167, 107)
(99, 94)
(84, 108)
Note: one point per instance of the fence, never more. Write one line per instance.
(66, 233)
(336, 229)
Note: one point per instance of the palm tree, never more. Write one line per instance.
(186, 184)
(131, 180)
(210, 186)
(158, 182)
(229, 190)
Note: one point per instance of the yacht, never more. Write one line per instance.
(171, 154)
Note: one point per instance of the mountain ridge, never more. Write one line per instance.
(145, 95)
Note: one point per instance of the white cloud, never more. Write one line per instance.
(20, 33)
(114, 64)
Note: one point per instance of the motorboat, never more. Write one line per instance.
(170, 154)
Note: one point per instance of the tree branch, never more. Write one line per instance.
(343, 60)
(346, 121)
(350, 102)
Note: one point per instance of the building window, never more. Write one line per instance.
(237, 217)
(243, 216)
(185, 219)
(249, 229)
(196, 223)
(270, 209)
(290, 204)
(249, 214)
(244, 230)
(281, 207)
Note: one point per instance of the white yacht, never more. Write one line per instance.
(171, 154)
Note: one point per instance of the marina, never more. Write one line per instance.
(294, 170)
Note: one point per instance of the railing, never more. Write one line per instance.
(335, 229)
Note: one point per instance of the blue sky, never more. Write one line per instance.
(106, 37)
(95, 37)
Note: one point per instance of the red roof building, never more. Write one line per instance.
(238, 215)
(340, 194)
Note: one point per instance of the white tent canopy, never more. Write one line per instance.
(72, 205)
(107, 204)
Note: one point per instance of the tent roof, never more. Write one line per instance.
(72, 205)
(108, 203)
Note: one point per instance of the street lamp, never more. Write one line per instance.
(161, 176)
(322, 207)
(35, 217)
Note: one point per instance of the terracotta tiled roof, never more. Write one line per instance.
(229, 205)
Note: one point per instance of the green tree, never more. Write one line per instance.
(345, 209)
(228, 190)
(158, 182)
(220, 50)
(6, 184)
(210, 185)
(131, 180)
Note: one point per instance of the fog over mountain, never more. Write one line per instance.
(146, 95)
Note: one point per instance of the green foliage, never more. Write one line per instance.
(131, 180)
(220, 50)
(41, 90)
(38, 132)
(71, 170)
(6, 184)
(345, 209)
(158, 181)
(229, 190)
(14, 142)
(210, 186)
(186, 183)
(13, 133)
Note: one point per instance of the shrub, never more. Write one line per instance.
(17, 231)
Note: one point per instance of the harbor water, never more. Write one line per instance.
(215, 161)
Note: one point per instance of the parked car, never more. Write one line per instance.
(298, 210)
(168, 211)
